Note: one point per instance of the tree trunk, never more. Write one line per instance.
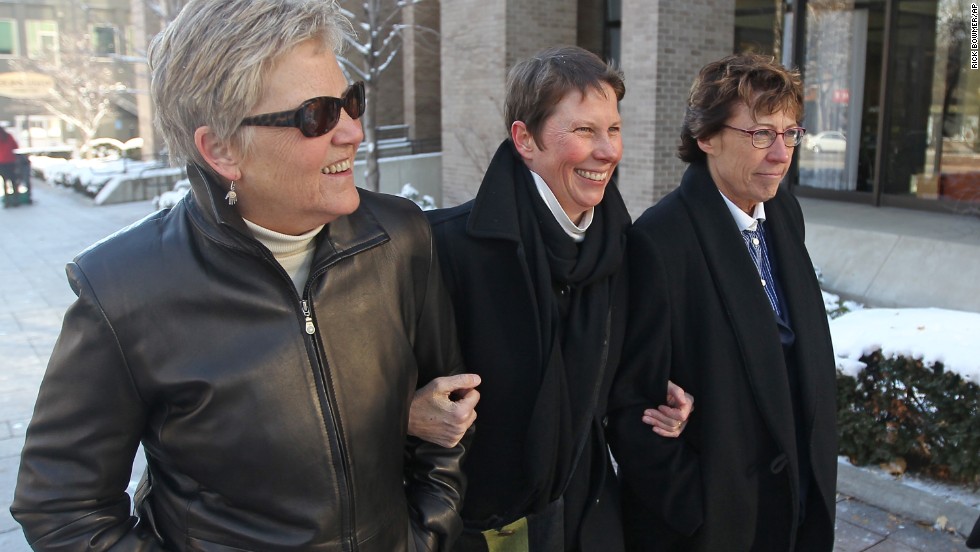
(371, 171)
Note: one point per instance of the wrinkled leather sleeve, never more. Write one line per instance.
(80, 445)
(435, 483)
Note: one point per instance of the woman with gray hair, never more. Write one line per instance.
(263, 339)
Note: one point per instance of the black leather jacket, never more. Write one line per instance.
(270, 421)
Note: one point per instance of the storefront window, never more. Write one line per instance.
(759, 26)
(842, 71)
(914, 56)
(950, 171)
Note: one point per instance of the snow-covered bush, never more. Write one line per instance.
(425, 202)
(922, 417)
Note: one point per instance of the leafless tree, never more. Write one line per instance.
(83, 87)
(380, 31)
(166, 10)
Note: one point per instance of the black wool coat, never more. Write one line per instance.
(700, 318)
(485, 269)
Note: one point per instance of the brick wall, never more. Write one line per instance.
(481, 39)
(664, 44)
(423, 105)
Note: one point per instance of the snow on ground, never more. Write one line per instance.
(933, 335)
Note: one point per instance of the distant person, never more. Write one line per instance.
(533, 267)
(724, 301)
(264, 338)
(8, 166)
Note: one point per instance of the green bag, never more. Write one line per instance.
(509, 538)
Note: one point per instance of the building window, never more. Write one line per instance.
(894, 120)
(614, 23)
(104, 41)
(42, 40)
(759, 26)
(843, 61)
(8, 37)
(949, 167)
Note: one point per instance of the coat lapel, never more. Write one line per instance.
(802, 294)
(749, 313)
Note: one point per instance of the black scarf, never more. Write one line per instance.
(573, 286)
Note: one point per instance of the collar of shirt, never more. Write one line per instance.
(294, 253)
(574, 231)
(283, 245)
(744, 221)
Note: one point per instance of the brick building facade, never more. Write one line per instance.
(662, 45)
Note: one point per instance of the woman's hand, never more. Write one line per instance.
(669, 420)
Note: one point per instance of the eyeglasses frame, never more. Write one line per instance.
(770, 132)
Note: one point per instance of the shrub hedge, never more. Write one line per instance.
(898, 408)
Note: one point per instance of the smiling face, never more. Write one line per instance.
(745, 174)
(580, 146)
(290, 183)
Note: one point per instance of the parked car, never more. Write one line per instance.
(830, 140)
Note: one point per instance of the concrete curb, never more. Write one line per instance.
(886, 492)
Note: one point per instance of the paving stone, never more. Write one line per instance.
(928, 539)
(891, 546)
(868, 517)
(853, 538)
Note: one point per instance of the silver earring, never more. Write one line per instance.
(231, 196)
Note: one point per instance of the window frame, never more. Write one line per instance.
(14, 38)
(34, 39)
(94, 33)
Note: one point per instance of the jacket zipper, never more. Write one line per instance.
(306, 309)
(320, 363)
(310, 327)
(331, 404)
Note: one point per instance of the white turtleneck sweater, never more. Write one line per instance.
(294, 253)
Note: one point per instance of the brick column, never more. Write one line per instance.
(422, 74)
(664, 44)
(481, 40)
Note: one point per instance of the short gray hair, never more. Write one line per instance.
(208, 66)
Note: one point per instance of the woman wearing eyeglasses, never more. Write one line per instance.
(726, 304)
(263, 339)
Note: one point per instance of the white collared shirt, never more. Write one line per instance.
(574, 231)
(744, 221)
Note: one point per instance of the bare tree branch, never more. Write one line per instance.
(374, 50)
(83, 88)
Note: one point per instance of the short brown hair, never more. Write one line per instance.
(759, 81)
(537, 84)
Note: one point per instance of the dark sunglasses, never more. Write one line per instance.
(316, 116)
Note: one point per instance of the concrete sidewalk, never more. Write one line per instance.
(37, 240)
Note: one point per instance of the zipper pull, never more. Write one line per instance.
(310, 328)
